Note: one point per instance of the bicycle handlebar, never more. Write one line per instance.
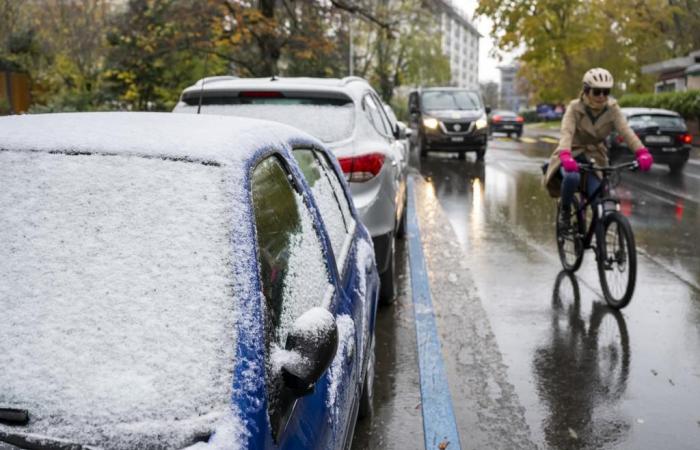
(632, 165)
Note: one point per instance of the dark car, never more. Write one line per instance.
(663, 132)
(502, 121)
(448, 119)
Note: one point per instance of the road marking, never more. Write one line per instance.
(439, 424)
(549, 140)
(528, 140)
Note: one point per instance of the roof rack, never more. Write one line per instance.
(207, 80)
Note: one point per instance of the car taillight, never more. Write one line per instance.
(684, 138)
(496, 118)
(362, 168)
(519, 119)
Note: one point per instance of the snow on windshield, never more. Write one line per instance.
(116, 297)
(329, 123)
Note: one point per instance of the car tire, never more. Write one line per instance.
(480, 154)
(387, 279)
(366, 410)
(676, 167)
(403, 222)
(519, 134)
(422, 148)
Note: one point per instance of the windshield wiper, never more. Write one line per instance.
(14, 416)
(36, 442)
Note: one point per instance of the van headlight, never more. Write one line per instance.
(431, 123)
(481, 123)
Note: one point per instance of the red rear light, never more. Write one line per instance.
(261, 94)
(496, 118)
(684, 138)
(519, 119)
(362, 168)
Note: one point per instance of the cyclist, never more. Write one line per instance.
(587, 122)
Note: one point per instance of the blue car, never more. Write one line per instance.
(178, 281)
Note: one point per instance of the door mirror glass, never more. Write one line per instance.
(488, 110)
(313, 341)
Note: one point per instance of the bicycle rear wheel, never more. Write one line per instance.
(617, 267)
(570, 242)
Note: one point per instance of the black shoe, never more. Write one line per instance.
(565, 220)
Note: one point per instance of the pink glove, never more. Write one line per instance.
(567, 162)
(644, 159)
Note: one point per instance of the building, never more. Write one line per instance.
(460, 43)
(510, 99)
(677, 74)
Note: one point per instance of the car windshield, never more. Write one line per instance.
(446, 100)
(329, 120)
(116, 298)
(661, 121)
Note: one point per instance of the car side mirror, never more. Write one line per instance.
(313, 341)
(409, 132)
(400, 131)
(488, 110)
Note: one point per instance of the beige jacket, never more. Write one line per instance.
(581, 132)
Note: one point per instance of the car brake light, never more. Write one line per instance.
(519, 119)
(362, 168)
(685, 138)
(496, 118)
(260, 94)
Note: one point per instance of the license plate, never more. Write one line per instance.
(508, 127)
(669, 149)
(457, 139)
(657, 139)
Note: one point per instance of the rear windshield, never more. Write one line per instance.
(649, 120)
(117, 310)
(443, 100)
(328, 119)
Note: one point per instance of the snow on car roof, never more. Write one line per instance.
(212, 138)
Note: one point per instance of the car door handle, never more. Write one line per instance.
(394, 163)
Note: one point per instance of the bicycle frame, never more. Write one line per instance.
(599, 203)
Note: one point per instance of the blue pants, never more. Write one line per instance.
(570, 182)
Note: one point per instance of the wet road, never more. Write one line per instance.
(534, 357)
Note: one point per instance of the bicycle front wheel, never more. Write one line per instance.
(570, 242)
(617, 265)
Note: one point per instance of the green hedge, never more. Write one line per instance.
(685, 103)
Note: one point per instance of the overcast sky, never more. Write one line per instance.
(487, 64)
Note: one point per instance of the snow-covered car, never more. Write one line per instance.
(347, 115)
(174, 281)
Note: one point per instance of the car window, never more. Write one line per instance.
(444, 100)
(329, 121)
(291, 262)
(648, 120)
(375, 115)
(388, 125)
(329, 199)
(117, 274)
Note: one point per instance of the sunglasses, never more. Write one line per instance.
(595, 92)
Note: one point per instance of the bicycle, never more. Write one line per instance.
(614, 247)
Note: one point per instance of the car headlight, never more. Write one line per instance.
(430, 122)
(481, 123)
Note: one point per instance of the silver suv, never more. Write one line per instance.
(347, 115)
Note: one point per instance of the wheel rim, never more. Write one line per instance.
(617, 275)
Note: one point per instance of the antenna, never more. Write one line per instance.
(201, 91)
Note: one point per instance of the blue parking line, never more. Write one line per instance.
(439, 424)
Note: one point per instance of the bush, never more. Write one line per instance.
(687, 103)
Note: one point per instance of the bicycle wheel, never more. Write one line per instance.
(570, 242)
(617, 267)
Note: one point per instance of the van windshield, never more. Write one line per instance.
(450, 100)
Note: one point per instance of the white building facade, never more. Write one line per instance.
(510, 98)
(460, 43)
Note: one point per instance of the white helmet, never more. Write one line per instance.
(598, 78)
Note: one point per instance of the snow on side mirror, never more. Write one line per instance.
(314, 340)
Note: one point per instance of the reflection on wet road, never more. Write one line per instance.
(568, 357)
